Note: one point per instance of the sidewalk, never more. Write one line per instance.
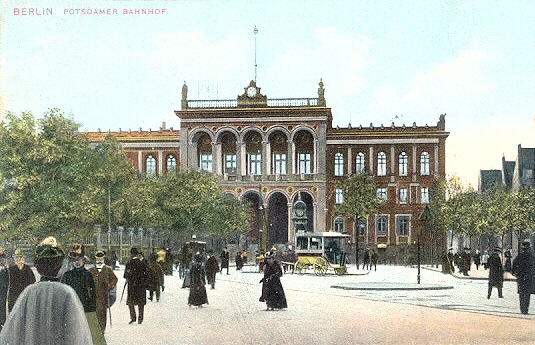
(473, 273)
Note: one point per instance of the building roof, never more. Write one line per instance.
(488, 179)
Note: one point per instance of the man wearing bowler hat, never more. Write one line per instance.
(524, 270)
(105, 282)
(136, 274)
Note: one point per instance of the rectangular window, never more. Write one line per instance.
(382, 225)
(339, 196)
(230, 164)
(425, 195)
(403, 226)
(305, 163)
(206, 162)
(338, 164)
(280, 163)
(381, 194)
(339, 224)
(403, 195)
(255, 164)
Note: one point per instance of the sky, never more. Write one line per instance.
(380, 62)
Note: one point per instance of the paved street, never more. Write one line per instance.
(321, 314)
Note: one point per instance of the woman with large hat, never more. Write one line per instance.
(20, 276)
(272, 291)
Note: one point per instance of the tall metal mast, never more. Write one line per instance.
(255, 32)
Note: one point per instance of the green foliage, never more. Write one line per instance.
(53, 177)
(360, 196)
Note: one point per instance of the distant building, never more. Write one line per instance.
(271, 151)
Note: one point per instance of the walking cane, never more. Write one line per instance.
(124, 287)
(109, 309)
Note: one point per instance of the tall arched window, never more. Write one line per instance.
(171, 163)
(425, 160)
(338, 164)
(151, 166)
(403, 161)
(381, 164)
(360, 163)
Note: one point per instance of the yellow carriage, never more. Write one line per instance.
(320, 251)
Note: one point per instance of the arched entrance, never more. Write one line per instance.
(277, 219)
(255, 201)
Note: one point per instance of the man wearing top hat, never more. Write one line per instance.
(20, 276)
(105, 282)
(495, 273)
(4, 286)
(136, 274)
(524, 270)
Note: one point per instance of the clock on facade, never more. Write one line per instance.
(251, 91)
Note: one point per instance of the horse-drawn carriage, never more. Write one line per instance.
(320, 251)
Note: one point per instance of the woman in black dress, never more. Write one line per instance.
(272, 291)
(197, 290)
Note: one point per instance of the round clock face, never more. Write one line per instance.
(251, 91)
(300, 212)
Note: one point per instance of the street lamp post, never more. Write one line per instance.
(418, 239)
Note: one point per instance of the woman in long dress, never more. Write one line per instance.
(272, 291)
(197, 289)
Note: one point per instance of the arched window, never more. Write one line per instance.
(171, 163)
(151, 166)
(338, 164)
(403, 163)
(381, 164)
(424, 163)
(360, 163)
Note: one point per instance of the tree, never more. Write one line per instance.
(54, 178)
(360, 200)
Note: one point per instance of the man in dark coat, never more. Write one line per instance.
(239, 261)
(466, 261)
(157, 277)
(20, 276)
(225, 256)
(105, 282)
(495, 273)
(212, 267)
(508, 261)
(374, 258)
(450, 259)
(197, 290)
(81, 280)
(272, 291)
(477, 259)
(366, 259)
(524, 270)
(4, 286)
(136, 274)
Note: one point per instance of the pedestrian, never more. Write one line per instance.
(81, 280)
(508, 262)
(4, 286)
(225, 256)
(157, 277)
(197, 291)
(272, 291)
(524, 271)
(211, 267)
(495, 273)
(105, 284)
(450, 259)
(244, 257)
(446, 267)
(466, 261)
(239, 261)
(485, 260)
(187, 278)
(20, 276)
(136, 274)
(374, 259)
(168, 263)
(49, 312)
(366, 259)
(477, 259)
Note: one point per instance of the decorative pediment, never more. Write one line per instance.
(252, 97)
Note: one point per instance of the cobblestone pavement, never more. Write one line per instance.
(320, 314)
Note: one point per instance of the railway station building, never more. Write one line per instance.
(274, 152)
